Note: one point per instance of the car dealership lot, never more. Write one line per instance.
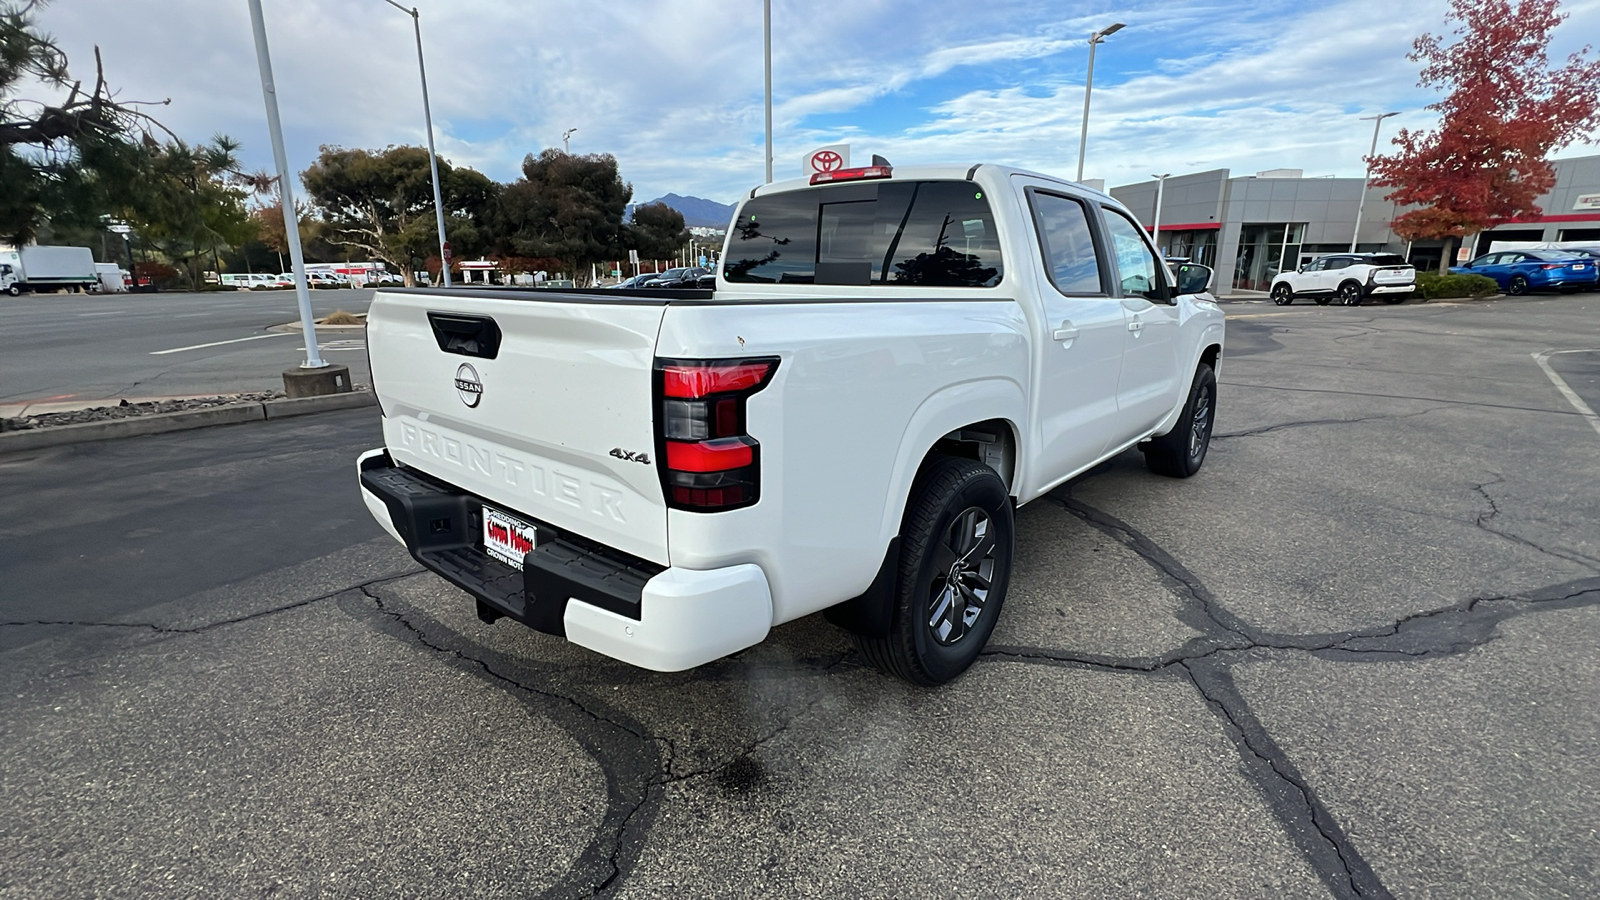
(1356, 655)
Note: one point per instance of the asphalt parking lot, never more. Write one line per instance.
(1357, 655)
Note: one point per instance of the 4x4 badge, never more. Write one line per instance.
(630, 456)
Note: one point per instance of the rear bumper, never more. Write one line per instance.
(665, 619)
(1392, 289)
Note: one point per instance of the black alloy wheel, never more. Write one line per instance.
(1519, 286)
(1180, 452)
(1282, 294)
(957, 541)
(1350, 294)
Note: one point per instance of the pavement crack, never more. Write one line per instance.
(1281, 426)
(1308, 822)
(1484, 519)
(201, 629)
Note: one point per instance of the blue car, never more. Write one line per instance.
(1521, 271)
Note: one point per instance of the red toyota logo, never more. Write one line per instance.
(826, 160)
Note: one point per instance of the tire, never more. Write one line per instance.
(1323, 301)
(1282, 294)
(1350, 294)
(14, 291)
(1518, 286)
(959, 512)
(1180, 452)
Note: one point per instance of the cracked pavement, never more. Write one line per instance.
(1355, 657)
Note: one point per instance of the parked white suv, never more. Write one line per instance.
(890, 362)
(1348, 278)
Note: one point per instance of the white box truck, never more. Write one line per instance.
(47, 269)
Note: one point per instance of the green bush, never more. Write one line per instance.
(1434, 286)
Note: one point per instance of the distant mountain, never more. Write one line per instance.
(696, 210)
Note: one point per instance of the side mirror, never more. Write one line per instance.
(1300, 268)
(1194, 278)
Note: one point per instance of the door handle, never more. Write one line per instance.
(1136, 326)
(1065, 333)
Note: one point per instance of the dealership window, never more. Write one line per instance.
(1262, 249)
(1196, 245)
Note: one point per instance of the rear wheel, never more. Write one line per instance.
(1180, 452)
(1282, 294)
(955, 562)
(1350, 294)
(1518, 287)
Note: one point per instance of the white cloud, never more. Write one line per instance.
(674, 89)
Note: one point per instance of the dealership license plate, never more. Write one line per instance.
(506, 538)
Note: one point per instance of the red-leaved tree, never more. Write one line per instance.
(1505, 111)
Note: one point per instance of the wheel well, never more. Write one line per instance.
(1349, 281)
(1211, 356)
(992, 442)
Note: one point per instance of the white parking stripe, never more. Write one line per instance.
(1567, 392)
(256, 337)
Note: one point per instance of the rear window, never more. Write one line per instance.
(1386, 259)
(922, 233)
(1550, 255)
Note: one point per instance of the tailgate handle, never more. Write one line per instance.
(475, 336)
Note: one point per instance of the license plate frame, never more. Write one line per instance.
(507, 538)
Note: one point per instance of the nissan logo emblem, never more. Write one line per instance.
(468, 387)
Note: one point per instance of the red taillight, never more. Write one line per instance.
(693, 381)
(1554, 266)
(719, 455)
(708, 462)
(857, 174)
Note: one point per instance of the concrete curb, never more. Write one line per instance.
(160, 423)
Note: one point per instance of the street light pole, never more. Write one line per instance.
(291, 220)
(1088, 85)
(1161, 187)
(766, 29)
(566, 141)
(433, 157)
(1362, 205)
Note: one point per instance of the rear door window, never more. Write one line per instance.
(1067, 243)
(923, 233)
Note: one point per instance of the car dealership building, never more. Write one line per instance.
(1245, 226)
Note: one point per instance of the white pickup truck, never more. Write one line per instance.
(890, 362)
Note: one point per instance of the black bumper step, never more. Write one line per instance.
(443, 528)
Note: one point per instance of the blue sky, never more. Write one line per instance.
(673, 88)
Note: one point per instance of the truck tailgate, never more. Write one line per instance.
(532, 429)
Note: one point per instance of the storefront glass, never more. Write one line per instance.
(1262, 248)
(1194, 245)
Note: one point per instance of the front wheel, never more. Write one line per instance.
(13, 290)
(1180, 452)
(1282, 294)
(1519, 286)
(955, 561)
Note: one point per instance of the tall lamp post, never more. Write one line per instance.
(766, 30)
(291, 221)
(566, 141)
(1362, 205)
(433, 157)
(1155, 232)
(1088, 85)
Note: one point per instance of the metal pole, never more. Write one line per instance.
(1155, 236)
(291, 221)
(1362, 204)
(766, 29)
(1088, 85)
(433, 156)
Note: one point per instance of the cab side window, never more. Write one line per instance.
(1317, 265)
(1067, 243)
(1136, 265)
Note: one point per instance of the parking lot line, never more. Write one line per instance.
(255, 337)
(1566, 391)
